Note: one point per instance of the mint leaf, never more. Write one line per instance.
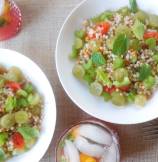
(133, 5)
(120, 45)
(98, 59)
(138, 29)
(144, 72)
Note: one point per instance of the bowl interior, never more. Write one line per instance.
(78, 91)
(34, 74)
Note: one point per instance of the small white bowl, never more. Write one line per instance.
(76, 90)
(34, 74)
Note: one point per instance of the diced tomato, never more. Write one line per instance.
(125, 88)
(13, 85)
(18, 140)
(104, 27)
(151, 35)
(91, 36)
(109, 89)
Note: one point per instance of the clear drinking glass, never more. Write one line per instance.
(10, 19)
(115, 139)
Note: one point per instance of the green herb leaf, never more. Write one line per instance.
(133, 5)
(138, 29)
(151, 42)
(10, 103)
(98, 59)
(144, 72)
(120, 45)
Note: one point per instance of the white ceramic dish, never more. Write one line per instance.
(76, 90)
(37, 77)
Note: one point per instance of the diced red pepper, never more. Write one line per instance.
(104, 27)
(109, 89)
(125, 88)
(151, 35)
(18, 140)
(13, 85)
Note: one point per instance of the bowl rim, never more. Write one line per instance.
(53, 101)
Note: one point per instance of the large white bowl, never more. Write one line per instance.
(37, 77)
(76, 90)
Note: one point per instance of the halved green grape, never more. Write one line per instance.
(78, 43)
(118, 99)
(14, 74)
(7, 121)
(149, 82)
(21, 117)
(78, 71)
(120, 74)
(124, 82)
(34, 99)
(106, 96)
(142, 16)
(140, 100)
(118, 63)
(96, 88)
(131, 97)
(74, 53)
(153, 20)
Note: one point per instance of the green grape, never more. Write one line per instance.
(120, 74)
(21, 117)
(78, 43)
(96, 88)
(131, 97)
(80, 34)
(78, 71)
(34, 99)
(7, 121)
(28, 88)
(118, 99)
(140, 100)
(149, 82)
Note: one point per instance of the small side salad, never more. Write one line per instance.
(116, 53)
(20, 113)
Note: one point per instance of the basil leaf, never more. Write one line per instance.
(120, 45)
(98, 59)
(144, 72)
(133, 5)
(138, 29)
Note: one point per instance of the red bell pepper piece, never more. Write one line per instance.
(109, 89)
(18, 140)
(13, 85)
(151, 35)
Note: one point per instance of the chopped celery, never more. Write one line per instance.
(22, 93)
(106, 96)
(131, 97)
(138, 29)
(151, 42)
(28, 88)
(33, 99)
(78, 44)
(88, 65)
(125, 82)
(103, 77)
(153, 21)
(80, 34)
(10, 103)
(78, 71)
(124, 11)
(118, 63)
(142, 16)
(98, 59)
(22, 102)
(118, 99)
(140, 100)
(3, 138)
(149, 82)
(135, 44)
(7, 121)
(96, 88)
(120, 74)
